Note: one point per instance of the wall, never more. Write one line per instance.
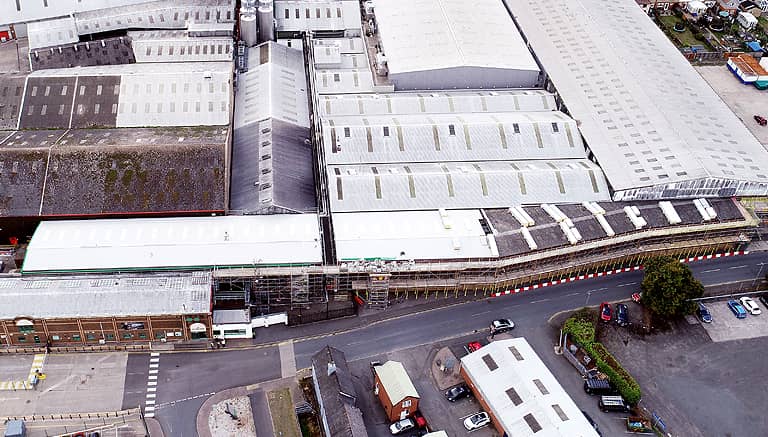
(91, 331)
(464, 78)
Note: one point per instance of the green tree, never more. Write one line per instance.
(668, 287)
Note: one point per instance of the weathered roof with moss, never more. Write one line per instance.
(100, 171)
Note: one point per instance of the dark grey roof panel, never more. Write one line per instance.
(96, 101)
(47, 103)
(11, 92)
(337, 393)
(272, 169)
(110, 51)
(22, 173)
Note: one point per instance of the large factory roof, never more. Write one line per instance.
(134, 95)
(323, 15)
(450, 137)
(178, 46)
(272, 157)
(493, 184)
(417, 235)
(647, 115)
(23, 10)
(173, 243)
(105, 296)
(102, 171)
(11, 92)
(441, 34)
(438, 102)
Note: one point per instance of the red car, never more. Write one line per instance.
(761, 120)
(473, 346)
(606, 314)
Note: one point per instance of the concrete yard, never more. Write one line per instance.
(699, 387)
(744, 100)
(74, 383)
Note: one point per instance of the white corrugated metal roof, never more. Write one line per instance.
(105, 295)
(298, 15)
(52, 32)
(177, 46)
(438, 34)
(396, 382)
(450, 137)
(459, 185)
(412, 235)
(437, 102)
(344, 81)
(274, 87)
(137, 244)
(520, 391)
(648, 116)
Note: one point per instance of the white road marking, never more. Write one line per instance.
(737, 267)
(152, 383)
(573, 294)
(481, 313)
(628, 283)
(154, 354)
(150, 402)
(710, 270)
(541, 300)
(152, 377)
(153, 371)
(152, 389)
(151, 395)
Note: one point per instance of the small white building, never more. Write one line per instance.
(519, 392)
(695, 8)
(746, 20)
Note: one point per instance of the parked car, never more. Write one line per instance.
(613, 403)
(636, 297)
(594, 386)
(761, 120)
(622, 315)
(501, 325)
(750, 305)
(473, 346)
(737, 309)
(455, 393)
(401, 426)
(764, 299)
(703, 313)
(477, 420)
(591, 422)
(606, 314)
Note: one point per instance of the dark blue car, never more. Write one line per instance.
(703, 313)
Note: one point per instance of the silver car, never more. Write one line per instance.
(477, 420)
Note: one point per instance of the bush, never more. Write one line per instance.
(620, 378)
(581, 327)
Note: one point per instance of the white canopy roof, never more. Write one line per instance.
(173, 243)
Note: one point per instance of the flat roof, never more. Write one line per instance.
(416, 235)
(411, 138)
(317, 15)
(649, 118)
(105, 295)
(523, 395)
(173, 243)
(459, 185)
(440, 34)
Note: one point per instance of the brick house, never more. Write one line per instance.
(395, 390)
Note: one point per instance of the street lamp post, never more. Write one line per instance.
(586, 302)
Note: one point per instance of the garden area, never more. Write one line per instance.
(689, 37)
(709, 32)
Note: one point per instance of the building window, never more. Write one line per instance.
(90, 337)
(451, 130)
(76, 337)
(127, 336)
(516, 128)
(55, 338)
(287, 14)
(298, 13)
(513, 396)
(346, 132)
(489, 361)
(336, 77)
(541, 387)
(26, 329)
(111, 337)
(386, 131)
(159, 335)
(555, 128)
(516, 353)
(142, 335)
(22, 339)
(406, 403)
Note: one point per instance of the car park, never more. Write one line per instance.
(703, 313)
(737, 309)
(750, 305)
(606, 314)
(594, 386)
(477, 420)
(402, 426)
(455, 393)
(622, 315)
(613, 403)
(501, 325)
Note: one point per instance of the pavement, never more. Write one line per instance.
(13, 60)
(726, 327)
(744, 100)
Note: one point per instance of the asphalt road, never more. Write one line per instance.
(187, 379)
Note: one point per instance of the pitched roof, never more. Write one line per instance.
(337, 394)
(395, 381)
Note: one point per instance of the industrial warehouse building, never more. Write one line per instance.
(521, 395)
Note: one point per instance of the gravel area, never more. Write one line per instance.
(222, 424)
